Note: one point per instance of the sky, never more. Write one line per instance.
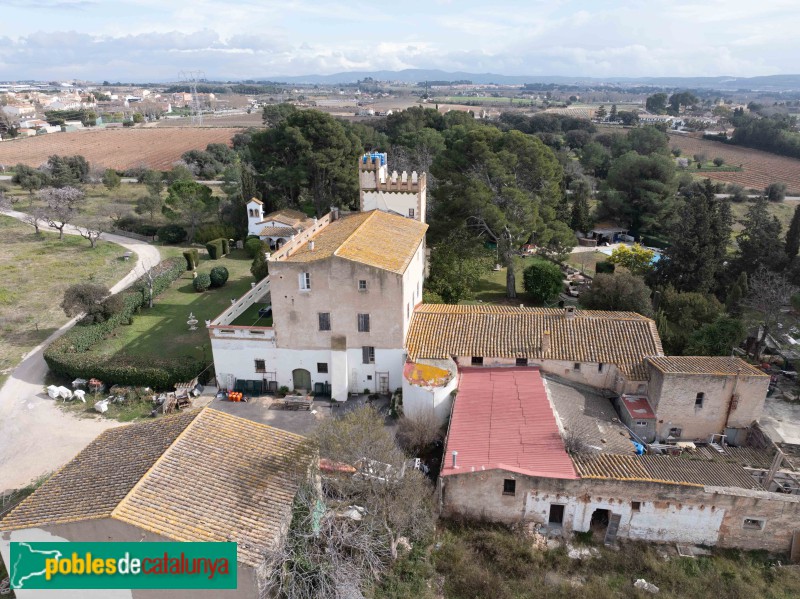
(154, 40)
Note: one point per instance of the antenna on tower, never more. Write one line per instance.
(190, 78)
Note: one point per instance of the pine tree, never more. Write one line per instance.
(759, 242)
(793, 235)
(580, 218)
(612, 116)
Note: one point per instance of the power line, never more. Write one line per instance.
(191, 78)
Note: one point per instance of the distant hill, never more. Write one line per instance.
(765, 83)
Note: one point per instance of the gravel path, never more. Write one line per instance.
(36, 436)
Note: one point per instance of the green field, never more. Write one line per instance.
(484, 100)
(36, 271)
(491, 288)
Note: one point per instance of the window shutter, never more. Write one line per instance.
(365, 355)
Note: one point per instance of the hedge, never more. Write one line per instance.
(215, 249)
(192, 257)
(226, 245)
(208, 233)
(252, 246)
(172, 234)
(69, 355)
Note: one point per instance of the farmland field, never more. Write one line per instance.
(116, 148)
(239, 119)
(759, 169)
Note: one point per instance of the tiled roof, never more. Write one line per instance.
(637, 406)
(620, 338)
(503, 419)
(277, 232)
(664, 469)
(375, 238)
(720, 365)
(256, 201)
(215, 477)
(100, 476)
(287, 216)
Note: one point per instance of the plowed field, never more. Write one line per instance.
(115, 148)
(759, 169)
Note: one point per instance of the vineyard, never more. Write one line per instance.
(759, 169)
(115, 148)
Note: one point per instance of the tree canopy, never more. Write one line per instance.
(190, 203)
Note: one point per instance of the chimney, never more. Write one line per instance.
(311, 245)
(455, 456)
(545, 342)
(569, 312)
(334, 213)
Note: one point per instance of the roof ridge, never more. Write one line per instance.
(124, 500)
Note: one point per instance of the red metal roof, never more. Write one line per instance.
(638, 406)
(502, 419)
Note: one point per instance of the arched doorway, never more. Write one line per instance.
(302, 379)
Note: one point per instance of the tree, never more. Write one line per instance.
(735, 294)
(775, 192)
(759, 243)
(543, 280)
(154, 182)
(681, 99)
(91, 233)
(596, 159)
(577, 138)
(657, 103)
(792, 245)
(612, 116)
(190, 202)
(275, 114)
(29, 179)
(684, 313)
(769, 294)
(88, 299)
(456, 266)
(601, 113)
(639, 191)
(638, 260)
(624, 292)
(503, 185)
(642, 140)
(35, 217)
(718, 161)
(68, 171)
(111, 179)
(260, 266)
(695, 258)
(580, 218)
(628, 117)
(717, 338)
(149, 204)
(61, 206)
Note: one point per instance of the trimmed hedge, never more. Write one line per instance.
(172, 234)
(192, 257)
(226, 245)
(215, 249)
(208, 233)
(252, 246)
(69, 355)
(201, 282)
(219, 276)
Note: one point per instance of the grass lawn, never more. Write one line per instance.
(36, 271)
(586, 261)
(250, 317)
(783, 210)
(163, 331)
(492, 287)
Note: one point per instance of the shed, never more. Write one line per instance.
(636, 413)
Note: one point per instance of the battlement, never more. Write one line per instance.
(373, 161)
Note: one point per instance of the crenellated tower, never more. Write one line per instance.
(401, 194)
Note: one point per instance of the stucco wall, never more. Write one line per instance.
(412, 286)
(666, 513)
(673, 399)
(420, 401)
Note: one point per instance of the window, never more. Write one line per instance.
(636, 506)
(322, 367)
(368, 354)
(577, 366)
(362, 285)
(363, 323)
(600, 367)
(641, 423)
(410, 213)
(753, 524)
(305, 281)
(556, 514)
(698, 401)
(509, 486)
(675, 432)
(261, 366)
(522, 361)
(369, 377)
(324, 321)
(477, 360)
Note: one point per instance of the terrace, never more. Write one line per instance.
(249, 317)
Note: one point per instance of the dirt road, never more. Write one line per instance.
(36, 436)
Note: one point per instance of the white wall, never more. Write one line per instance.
(419, 401)
(395, 201)
(413, 279)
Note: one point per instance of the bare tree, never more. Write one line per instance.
(62, 204)
(35, 218)
(91, 233)
(345, 533)
(419, 431)
(769, 292)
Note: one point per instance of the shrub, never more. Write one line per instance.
(260, 266)
(215, 249)
(192, 257)
(543, 280)
(604, 267)
(226, 245)
(252, 246)
(719, 161)
(136, 225)
(218, 276)
(208, 233)
(202, 282)
(172, 234)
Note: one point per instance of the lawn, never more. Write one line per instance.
(163, 331)
(491, 288)
(782, 210)
(36, 271)
(250, 317)
(586, 261)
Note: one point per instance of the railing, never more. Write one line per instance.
(299, 239)
(265, 334)
(259, 290)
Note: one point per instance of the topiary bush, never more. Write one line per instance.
(252, 246)
(226, 245)
(192, 257)
(202, 282)
(215, 249)
(172, 234)
(604, 267)
(208, 233)
(218, 276)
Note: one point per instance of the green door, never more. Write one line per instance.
(302, 379)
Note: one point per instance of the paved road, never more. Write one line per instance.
(36, 436)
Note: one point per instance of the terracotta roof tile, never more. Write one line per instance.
(720, 365)
(620, 338)
(287, 216)
(277, 232)
(375, 238)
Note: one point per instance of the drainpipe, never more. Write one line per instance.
(733, 395)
